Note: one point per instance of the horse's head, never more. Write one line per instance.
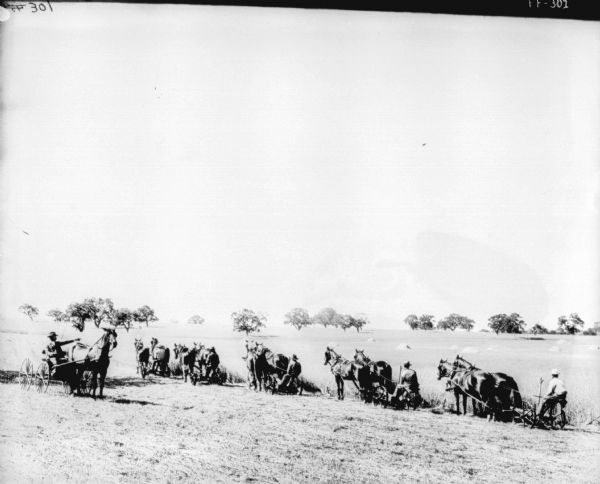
(260, 349)
(327, 355)
(360, 358)
(139, 345)
(443, 369)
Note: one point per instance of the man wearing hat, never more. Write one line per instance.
(557, 393)
(408, 385)
(291, 377)
(54, 352)
(212, 363)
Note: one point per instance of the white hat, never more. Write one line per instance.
(555, 372)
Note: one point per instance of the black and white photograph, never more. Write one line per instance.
(272, 244)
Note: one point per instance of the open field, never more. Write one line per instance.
(166, 431)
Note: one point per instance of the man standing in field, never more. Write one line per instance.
(291, 377)
(557, 393)
(212, 363)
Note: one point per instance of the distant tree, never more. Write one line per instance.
(453, 321)
(29, 310)
(412, 320)
(539, 329)
(57, 315)
(196, 319)
(144, 314)
(78, 313)
(328, 317)
(356, 322)
(247, 321)
(502, 323)
(101, 310)
(298, 318)
(123, 317)
(571, 325)
(426, 321)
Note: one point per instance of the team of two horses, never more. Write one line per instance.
(368, 376)
(265, 368)
(495, 395)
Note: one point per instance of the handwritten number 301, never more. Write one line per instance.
(39, 6)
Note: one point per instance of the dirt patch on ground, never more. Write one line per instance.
(162, 430)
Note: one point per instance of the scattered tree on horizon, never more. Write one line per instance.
(123, 317)
(196, 319)
(502, 323)
(356, 322)
(425, 321)
(57, 315)
(539, 329)
(29, 310)
(247, 321)
(101, 310)
(78, 313)
(298, 318)
(328, 317)
(144, 314)
(453, 321)
(571, 325)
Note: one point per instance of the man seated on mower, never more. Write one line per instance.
(291, 377)
(408, 386)
(557, 393)
(55, 355)
(212, 363)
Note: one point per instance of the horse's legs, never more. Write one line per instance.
(340, 386)
(102, 373)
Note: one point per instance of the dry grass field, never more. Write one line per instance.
(166, 431)
(162, 430)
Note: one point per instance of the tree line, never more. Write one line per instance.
(501, 323)
(96, 310)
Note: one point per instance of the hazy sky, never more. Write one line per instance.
(205, 159)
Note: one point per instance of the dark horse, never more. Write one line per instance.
(187, 360)
(475, 384)
(342, 369)
(95, 359)
(372, 374)
(507, 395)
(269, 367)
(142, 355)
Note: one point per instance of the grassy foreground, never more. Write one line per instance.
(164, 431)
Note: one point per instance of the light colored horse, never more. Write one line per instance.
(342, 369)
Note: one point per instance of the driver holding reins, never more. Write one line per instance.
(55, 355)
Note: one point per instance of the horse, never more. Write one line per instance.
(476, 384)
(142, 355)
(507, 395)
(187, 360)
(95, 359)
(250, 360)
(269, 366)
(160, 357)
(372, 374)
(342, 369)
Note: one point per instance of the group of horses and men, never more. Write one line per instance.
(373, 379)
(271, 371)
(196, 362)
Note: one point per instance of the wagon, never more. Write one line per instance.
(63, 374)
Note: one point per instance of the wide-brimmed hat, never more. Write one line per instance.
(294, 357)
(51, 334)
(555, 372)
(407, 364)
(212, 348)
